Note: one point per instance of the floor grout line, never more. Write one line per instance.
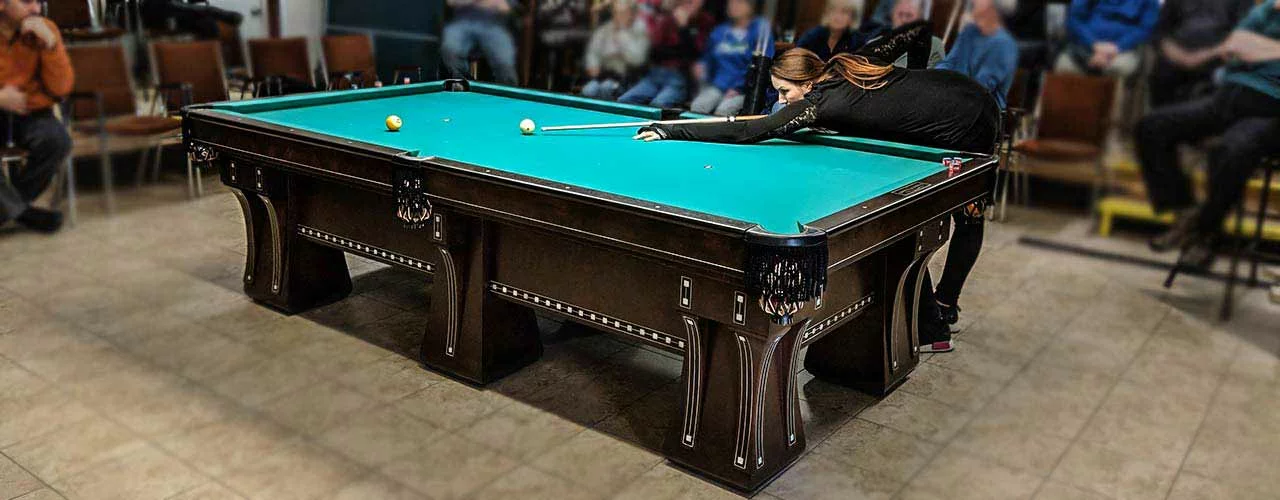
(1217, 393)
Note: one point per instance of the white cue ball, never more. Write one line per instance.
(526, 126)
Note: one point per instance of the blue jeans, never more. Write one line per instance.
(661, 88)
(604, 89)
(462, 36)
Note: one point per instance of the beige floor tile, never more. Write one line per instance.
(646, 422)
(38, 415)
(15, 481)
(449, 468)
(18, 382)
(879, 449)
(666, 483)
(377, 436)
(917, 416)
(1107, 349)
(390, 378)
(1046, 399)
(41, 494)
(287, 374)
(1015, 447)
(952, 387)
(1251, 466)
(221, 447)
(338, 353)
(1148, 422)
(74, 448)
(521, 431)
(533, 484)
(301, 471)
(820, 421)
(77, 363)
(1113, 473)
(957, 475)
(351, 312)
(982, 361)
(376, 486)
(208, 491)
(831, 395)
(1055, 490)
(242, 320)
(597, 461)
(452, 405)
(146, 473)
(41, 340)
(316, 408)
(1193, 487)
(288, 335)
(818, 478)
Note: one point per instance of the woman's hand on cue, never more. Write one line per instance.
(647, 135)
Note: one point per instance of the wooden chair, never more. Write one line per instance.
(193, 83)
(349, 61)
(103, 106)
(271, 60)
(944, 18)
(1013, 119)
(1069, 128)
(79, 21)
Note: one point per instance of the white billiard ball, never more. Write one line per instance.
(526, 126)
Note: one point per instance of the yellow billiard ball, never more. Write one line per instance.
(526, 126)
(394, 123)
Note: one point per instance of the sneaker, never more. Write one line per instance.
(39, 219)
(935, 347)
(951, 316)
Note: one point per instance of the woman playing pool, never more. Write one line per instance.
(864, 95)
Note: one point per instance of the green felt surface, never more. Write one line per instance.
(776, 184)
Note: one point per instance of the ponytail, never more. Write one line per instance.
(858, 70)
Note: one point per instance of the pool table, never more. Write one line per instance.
(734, 257)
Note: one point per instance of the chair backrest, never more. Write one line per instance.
(69, 14)
(1017, 96)
(281, 57)
(944, 16)
(232, 45)
(1075, 107)
(172, 62)
(102, 68)
(344, 53)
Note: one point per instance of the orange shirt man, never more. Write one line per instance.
(34, 74)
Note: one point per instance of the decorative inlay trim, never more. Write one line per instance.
(686, 292)
(792, 394)
(739, 308)
(450, 277)
(838, 317)
(744, 402)
(277, 243)
(631, 329)
(250, 256)
(758, 410)
(369, 251)
(693, 389)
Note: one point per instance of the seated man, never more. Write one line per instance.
(35, 71)
(677, 34)
(481, 23)
(722, 72)
(1102, 36)
(1245, 110)
(1190, 25)
(909, 11)
(618, 48)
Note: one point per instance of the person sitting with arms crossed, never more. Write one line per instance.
(35, 72)
(722, 71)
(1245, 110)
(864, 95)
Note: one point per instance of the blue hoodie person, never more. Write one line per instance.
(1104, 34)
(722, 72)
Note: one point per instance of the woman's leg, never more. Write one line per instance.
(962, 254)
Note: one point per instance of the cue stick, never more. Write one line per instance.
(720, 119)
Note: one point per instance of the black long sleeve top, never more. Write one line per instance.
(934, 108)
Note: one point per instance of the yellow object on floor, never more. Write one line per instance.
(1128, 208)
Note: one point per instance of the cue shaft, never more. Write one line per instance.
(719, 119)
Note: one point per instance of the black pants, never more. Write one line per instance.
(1249, 123)
(1170, 84)
(965, 245)
(47, 144)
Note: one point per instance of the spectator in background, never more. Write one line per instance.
(676, 37)
(35, 72)
(1186, 26)
(562, 34)
(909, 11)
(617, 49)
(722, 72)
(882, 17)
(483, 24)
(985, 52)
(1103, 36)
(838, 32)
(1245, 110)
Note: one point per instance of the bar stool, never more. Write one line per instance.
(1248, 248)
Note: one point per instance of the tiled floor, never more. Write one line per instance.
(132, 367)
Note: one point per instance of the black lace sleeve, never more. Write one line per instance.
(787, 120)
(915, 40)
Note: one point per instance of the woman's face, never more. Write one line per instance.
(839, 19)
(789, 91)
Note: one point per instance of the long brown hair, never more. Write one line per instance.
(802, 65)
